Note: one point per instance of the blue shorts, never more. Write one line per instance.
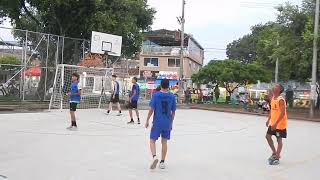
(156, 132)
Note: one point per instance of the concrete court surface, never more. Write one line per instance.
(205, 145)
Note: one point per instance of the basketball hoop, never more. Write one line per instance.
(106, 44)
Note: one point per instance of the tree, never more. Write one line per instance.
(231, 74)
(8, 66)
(7, 63)
(243, 49)
(293, 29)
(9, 60)
(207, 75)
(127, 18)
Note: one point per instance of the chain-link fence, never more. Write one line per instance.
(28, 61)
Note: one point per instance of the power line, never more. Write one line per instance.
(259, 4)
(214, 48)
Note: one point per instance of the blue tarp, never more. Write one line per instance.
(171, 82)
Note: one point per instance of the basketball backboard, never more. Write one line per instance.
(102, 42)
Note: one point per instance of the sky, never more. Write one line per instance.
(215, 23)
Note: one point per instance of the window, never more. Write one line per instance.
(173, 62)
(151, 62)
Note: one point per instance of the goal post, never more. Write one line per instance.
(95, 84)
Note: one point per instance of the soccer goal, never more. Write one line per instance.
(95, 83)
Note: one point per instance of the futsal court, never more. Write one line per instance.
(205, 145)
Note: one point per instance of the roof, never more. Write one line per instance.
(10, 43)
(163, 37)
(121, 72)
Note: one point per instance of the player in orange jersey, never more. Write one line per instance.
(277, 123)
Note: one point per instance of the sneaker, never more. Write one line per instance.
(130, 122)
(162, 165)
(274, 162)
(272, 157)
(72, 128)
(154, 162)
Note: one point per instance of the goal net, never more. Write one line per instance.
(96, 84)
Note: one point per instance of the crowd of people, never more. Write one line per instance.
(201, 95)
(208, 96)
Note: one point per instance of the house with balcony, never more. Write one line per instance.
(160, 56)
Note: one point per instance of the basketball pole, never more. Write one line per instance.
(61, 87)
(106, 57)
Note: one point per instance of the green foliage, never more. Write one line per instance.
(77, 19)
(127, 18)
(10, 60)
(243, 49)
(7, 63)
(294, 32)
(231, 74)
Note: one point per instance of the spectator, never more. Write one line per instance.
(217, 93)
(176, 91)
(187, 95)
(205, 93)
(158, 88)
(194, 95)
(200, 95)
(289, 97)
(265, 104)
(246, 101)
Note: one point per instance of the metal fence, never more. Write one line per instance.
(28, 61)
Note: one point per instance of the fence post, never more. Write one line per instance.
(57, 53)
(46, 75)
(21, 77)
(24, 67)
(83, 46)
(61, 87)
(53, 87)
(62, 50)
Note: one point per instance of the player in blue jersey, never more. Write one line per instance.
(133, 100)
(115, 95)
(163, 106)
(74, 97)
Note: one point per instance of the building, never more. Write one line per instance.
(160, 56)
(126, 68)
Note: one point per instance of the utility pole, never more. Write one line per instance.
(314, 61)
(182, 21)
(277, 67)
(276, 76)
